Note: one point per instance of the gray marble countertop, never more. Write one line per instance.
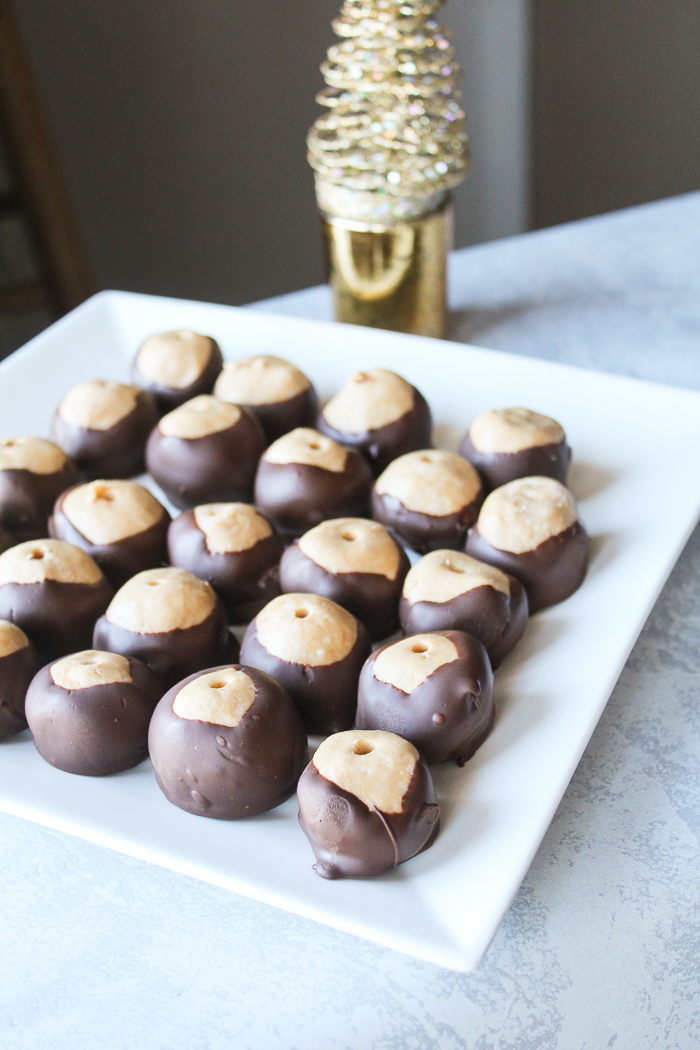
(601, 947)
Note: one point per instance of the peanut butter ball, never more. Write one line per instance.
(19, 662)
(176, 366)
(89, 712)
(508, 443)
(103, 427)
(205, 451)
(171, 620)
(33, 473)
(235, 548)
(434, 689)
(428, 499)
(55, 592)
(305, 478)
(119, 523)
(227, 743)
(355, 563)
(315, 649)
(380, 414)
(530, 529)
(279, 393)
(366, 804)
(449, 590)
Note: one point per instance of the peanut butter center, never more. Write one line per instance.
(200, 417)
(219, 697)
(352, 545)
(98, 404)
(368, 401)
(109, 511)
(374, 766)
(306, 629)
(12, 639)
(431, 482)
(34, 454)
(441, 576)
(407, 664)
(89, 668)
(174, 359)
(526, 512)
(309, 448)
(513, 430)
(39, 560)
(261, 380)
(160, 600)
(231, 527)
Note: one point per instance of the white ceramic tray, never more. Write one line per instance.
(636, 477)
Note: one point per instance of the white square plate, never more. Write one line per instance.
(637, 479)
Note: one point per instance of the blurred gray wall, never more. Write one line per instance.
(180, 128)
(493, 38)
(616, 104)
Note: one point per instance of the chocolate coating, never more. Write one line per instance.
(95, 731)
(326, 695)
(122, 559)
(351, 841)
(6, 540)
(297, 496)
(369, 596)
(549, 573)
(498, 468)
(114, 453)
(245, 580)
(448, 716)
(279, 417)
(172, 655)
(167, 397)
(496, 619)
(424, 532)
(27, 499)
(218, 468)
(230, 772)
(58, 617)
(412, 431)
(16, 672)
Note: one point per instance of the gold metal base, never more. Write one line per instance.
(391, 277)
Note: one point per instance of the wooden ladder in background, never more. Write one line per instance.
(38, 195)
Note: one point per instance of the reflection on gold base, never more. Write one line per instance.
(391, 277)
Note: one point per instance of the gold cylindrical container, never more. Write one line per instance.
(391, 277)
(386, 153)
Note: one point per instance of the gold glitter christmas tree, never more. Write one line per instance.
(393, 141)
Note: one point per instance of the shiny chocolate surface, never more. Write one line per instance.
(230, 772)
(297, 496)
(412, 431)
(448, 716)
(114, 453)
(550, 573)
(173, 655)
(326, 695)
(351, 841)
(371, 597)
(218, 468)
(96, 731)
(245, 580)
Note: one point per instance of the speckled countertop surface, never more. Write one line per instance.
(601, 947)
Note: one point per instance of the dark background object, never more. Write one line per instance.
(179, 129)
(181, 132)
(616, 104)
(35, 194)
